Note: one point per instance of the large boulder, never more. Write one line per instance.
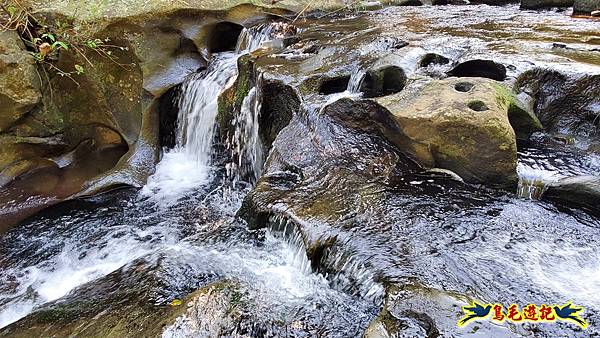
(19, 80)
(578, 191)
(461, 125)
(538, 4)
(586, 6)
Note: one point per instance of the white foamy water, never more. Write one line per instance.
(187, 167)
(574, 272)
(533, 182)
(74, 265)
(280, 268)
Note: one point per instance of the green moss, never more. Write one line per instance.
(523, 121)
(231, 100)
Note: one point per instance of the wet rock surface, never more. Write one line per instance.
(586, 7)
(581, 191)
(463, 131)
(352, 231)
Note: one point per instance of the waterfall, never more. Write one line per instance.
(255, 37)
(198, 107)
(356, 79)
(245, 144)
(534, 182)
(188, 166)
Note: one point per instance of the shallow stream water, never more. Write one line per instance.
(415, 229)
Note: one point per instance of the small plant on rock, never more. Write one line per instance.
(46, 42)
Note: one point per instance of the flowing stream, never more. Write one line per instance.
(378, 231)
(172, 217)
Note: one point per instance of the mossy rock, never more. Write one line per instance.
(464, 124)
(19, 80)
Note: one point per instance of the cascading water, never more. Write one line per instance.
(356, 79)
(245, 144)
(187, 166)
(198, 107)
(533, 182)
(171, 221)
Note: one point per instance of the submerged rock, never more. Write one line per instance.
(578, 191)
(460, 125)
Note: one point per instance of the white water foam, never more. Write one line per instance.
(73, 266)
(533, 182)
(188, 166)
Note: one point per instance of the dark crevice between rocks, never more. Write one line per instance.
(383, 81)
(433, 59)
(279, 103)
(334, 85)
(168, 108)
(480, 68)
(224, 37)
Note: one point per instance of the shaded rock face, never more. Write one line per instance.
(19, 81)
(460, 125)
(480, 68)
(537, 4)
(586, 6)
(103, 128)
(577, 191)
(382, 82)
(563, 103)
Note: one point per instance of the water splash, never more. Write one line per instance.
(350, 275)
(245, 144)
(534, 182)
(198, 107)
(356, 79)
(260, 35)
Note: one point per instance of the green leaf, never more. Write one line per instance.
(12, 10)
(176, 302)
(60, 44)
(80, 70)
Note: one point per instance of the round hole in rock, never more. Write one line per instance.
(477, 106)
(480, 68)
(433, 59)
(383, 81)
(334, 85)
(464, 87)
(224, 37)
